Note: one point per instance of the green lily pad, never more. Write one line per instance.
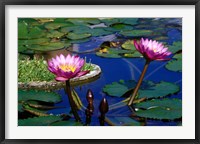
(147, 90)
(76, 29)
(39, 121)
(107, 55)
(78, 41)
(99, 32)
(20, 107)
(115, 89)
(128, 45)
(55, 25)
(175, 64)
(33, 41)
(160, 89)
(123, 121)
(66, 123)
(74, 36)
(160, 109)
(55, 34)
(136, 33)
(175, 47)
(111, 21)
(24, 32)
(49, 47)
(84, 21)
(119, 27)
(39, 95)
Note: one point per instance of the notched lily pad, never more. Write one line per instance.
(175, 47)
(74, 36)
(160, 109)
(48, 47)
(175, 64)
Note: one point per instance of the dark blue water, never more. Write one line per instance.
(114, 70)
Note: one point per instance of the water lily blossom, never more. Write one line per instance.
(67, 67)
(152, 50)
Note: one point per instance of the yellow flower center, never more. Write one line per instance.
(67, 68)
(154, 50)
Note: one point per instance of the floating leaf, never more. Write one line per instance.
(147, 90)
(50, 46)
(39, 95)
(24, 32)
(128, 45)
(107, 55)
(74, 36)
(20, 107)
(119, 27)
(78, 41)
(33, 41)
(123, 121)
(160, 109)
(115, 89)
(136, 33)
(84, 21)
(39, 121)
(76, 29)
(130, 21)
(112, 52)
(55, 34)
(99, 32)
(110, 21)
(55, 25)
(21, 48)
(66, 123)
(175, 47)
(175, 64)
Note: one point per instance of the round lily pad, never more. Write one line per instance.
(84, 21)
(55, 25)
(137, 33)
(160, 109)
(38, 95)
(123, 121)
(74, 36)
(175, 47)
(175, 64)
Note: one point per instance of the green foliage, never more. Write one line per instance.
(66, 123)
(137, 33)
(51, 97)
(175, 47)
(160, 109)
(123, 121)
(75, 36)
(175, 64)
(39, 121)
(33, 71)
(147, 90)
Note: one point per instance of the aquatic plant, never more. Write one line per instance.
(66, 68)
(151, 50)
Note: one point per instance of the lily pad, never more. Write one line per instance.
(147, 90)
(39, 121)
(76, 29)
(111, 21)
(123, 121)
(137, 33)
(175, 47)
(119, 27)
(84, 21)
(26, 32)
(33, 41)
(107, 55)
(55, 25)
(55, 34)
(34, 111)
(157, 90)
(74, 36)
(66, 123)
(99, 32)
(175, 64)
(160, 109)
(39, 95)
(48, 47)
(21, 48)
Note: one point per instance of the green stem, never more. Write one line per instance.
(139, 83)
(71, 101)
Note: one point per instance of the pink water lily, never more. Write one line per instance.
(67, 67)
(152, 50)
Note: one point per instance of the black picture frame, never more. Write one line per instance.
(3, 4)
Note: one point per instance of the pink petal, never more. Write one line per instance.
(81, 73)
(61, 79)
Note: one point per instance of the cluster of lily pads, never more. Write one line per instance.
(44, 35)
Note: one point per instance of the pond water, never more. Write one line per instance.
(116, 69)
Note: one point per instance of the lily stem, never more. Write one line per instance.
(132, 98)
(71, 101)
